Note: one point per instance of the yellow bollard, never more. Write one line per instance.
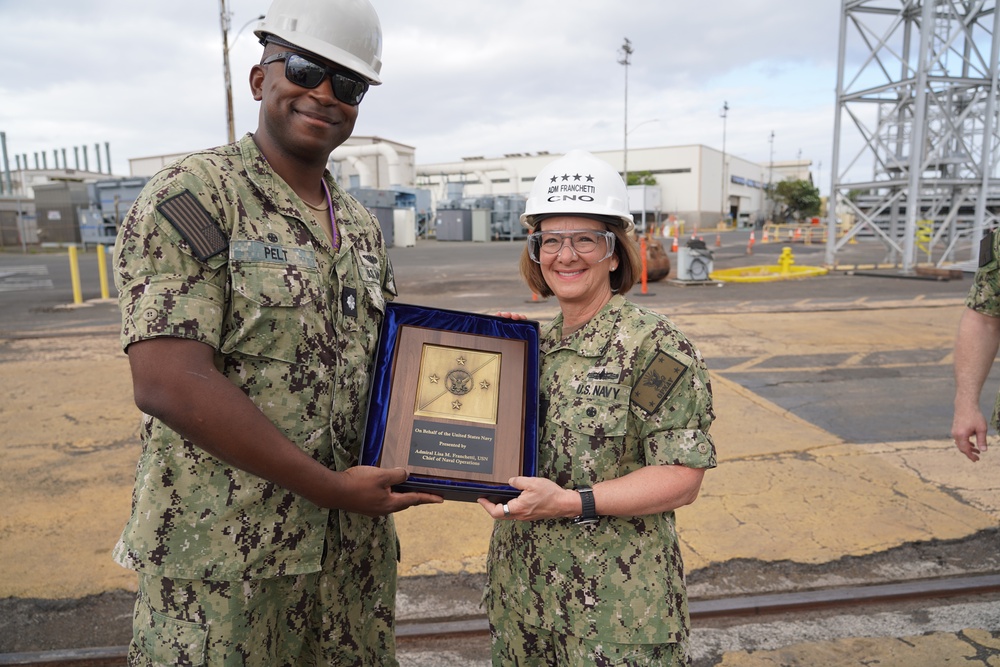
(74, 273)
(102, 266)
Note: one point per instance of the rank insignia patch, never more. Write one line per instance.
(349, 302)
(657, 381)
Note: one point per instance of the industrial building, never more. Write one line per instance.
(40, 204)
(694, 183)
(475, 199)
(697, 184)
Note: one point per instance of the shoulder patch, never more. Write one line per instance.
(657, 381)
(194, 224)
(986, 249)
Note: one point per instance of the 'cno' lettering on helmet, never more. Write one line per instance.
(555, 198)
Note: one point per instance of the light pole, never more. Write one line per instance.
(626, 51)
(224, 17)
(722, 187)
(630, 131)
(645, 122)
(770, 180)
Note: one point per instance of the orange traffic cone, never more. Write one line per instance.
(718, 240)
(763, 238)
(673, 246)
(750, 244)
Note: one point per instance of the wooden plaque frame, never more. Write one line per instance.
(458, 409)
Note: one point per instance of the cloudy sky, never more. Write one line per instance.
(461, 77)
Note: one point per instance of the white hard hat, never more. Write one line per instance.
(345, 32)
(578, 184)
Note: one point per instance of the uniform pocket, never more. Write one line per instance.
(594, 424)
(597, 410)
(275, 286)
(273, 305)
(168, 641)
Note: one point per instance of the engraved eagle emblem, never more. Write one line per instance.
(459, 382)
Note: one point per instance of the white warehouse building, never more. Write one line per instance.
(690, 183)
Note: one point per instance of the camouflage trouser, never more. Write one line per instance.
(343, 615)
(995, 419)
(515, 644)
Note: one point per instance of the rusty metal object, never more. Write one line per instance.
(657, 260)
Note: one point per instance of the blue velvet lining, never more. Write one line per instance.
(398, 315)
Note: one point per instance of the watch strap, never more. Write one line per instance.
(589, 513)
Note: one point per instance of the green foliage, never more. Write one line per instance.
(797, 199)
(641, 178)
(854, 194)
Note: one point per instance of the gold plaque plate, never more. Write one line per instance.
(458, 384)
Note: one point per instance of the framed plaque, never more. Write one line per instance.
(454, 401)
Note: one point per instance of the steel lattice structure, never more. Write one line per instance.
(916, 145)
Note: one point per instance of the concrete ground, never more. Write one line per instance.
(833, 402)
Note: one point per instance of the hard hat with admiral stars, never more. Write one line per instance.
(578, 184)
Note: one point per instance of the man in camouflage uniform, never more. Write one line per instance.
(250, 318)
(975, 349)
(584, 566)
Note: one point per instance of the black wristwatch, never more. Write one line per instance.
(589, 514)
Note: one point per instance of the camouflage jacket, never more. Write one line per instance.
(219, 249)
(625, 391)
(984, 295)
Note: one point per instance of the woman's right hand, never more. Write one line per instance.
(540, 499)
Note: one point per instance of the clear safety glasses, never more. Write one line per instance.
(303, 72)
(594, 246)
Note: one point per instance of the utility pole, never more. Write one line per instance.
(225, 18)
(722, 188)
(224, 21)
(626, 51)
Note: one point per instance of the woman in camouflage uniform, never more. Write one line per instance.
(585, 566)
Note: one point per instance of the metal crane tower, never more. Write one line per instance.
(915, 147)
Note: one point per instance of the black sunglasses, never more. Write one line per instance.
(303, 72)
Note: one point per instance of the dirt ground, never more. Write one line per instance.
(70, 449)
(70, 445)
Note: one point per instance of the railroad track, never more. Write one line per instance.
(842, 598)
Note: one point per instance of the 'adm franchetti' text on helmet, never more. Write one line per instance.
(345, 32)
(578, 184)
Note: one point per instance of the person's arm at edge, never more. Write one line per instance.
(175, 380)
(976, 347)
